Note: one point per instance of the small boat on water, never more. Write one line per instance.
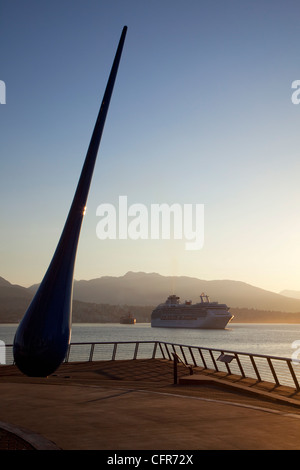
(128, 319)
(205, 314)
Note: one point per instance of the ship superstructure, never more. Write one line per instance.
(205, 314)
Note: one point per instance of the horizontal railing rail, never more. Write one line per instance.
(277, 370)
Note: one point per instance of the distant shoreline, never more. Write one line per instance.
(12, 313)
(240, 322)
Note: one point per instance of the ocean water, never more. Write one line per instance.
(270, 339)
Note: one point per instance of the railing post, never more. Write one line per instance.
(255, 368)
(166, 346)
(175, 361)
(240, 365)
(202, 358)
(273, 370)
(136, 350)
(114, 351)
(154, 350)
(182, 352)
(213, 359)
(192, 356)
(92, 352)
(162, 351)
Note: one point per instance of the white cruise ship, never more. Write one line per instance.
(205, 314)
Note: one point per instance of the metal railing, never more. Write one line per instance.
(277, 370)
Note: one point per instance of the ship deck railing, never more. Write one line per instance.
(263, 368)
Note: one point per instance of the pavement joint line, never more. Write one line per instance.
(123, 392)
(224, 402)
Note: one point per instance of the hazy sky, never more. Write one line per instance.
(201, 114)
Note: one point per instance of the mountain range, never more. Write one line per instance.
(141, 291)
(139, 288)
(295, 294)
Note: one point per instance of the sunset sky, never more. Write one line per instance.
(201, 114)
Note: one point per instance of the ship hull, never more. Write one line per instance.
(212, 320)
(203, 315)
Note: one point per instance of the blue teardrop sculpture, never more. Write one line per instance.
(43, 336)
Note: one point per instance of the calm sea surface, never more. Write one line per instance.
(270, 339)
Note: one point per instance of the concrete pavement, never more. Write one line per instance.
(95, 407)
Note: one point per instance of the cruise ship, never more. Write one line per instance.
(205, 314)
